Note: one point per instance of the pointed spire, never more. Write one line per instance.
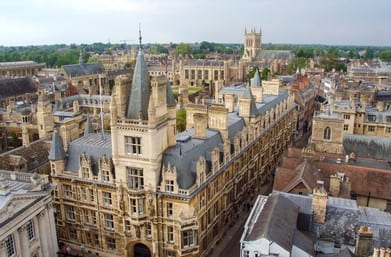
(137, 105)
(170, 97)
(88, 129)
(256, 81)
(57, 149)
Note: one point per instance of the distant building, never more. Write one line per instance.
(353, 176)
(20, 69)
(27, 225)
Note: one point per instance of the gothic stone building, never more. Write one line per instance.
(146, 190)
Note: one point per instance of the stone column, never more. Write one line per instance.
(3, 252)
(43, 233)
(23, 241)
(53, 246)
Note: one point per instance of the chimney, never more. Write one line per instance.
(380, 106)
(319, 202)
(335, 183)
(382, 252)
(364, 242)
(200, 125)
(375, 252)
(388, 252)
(229, 100)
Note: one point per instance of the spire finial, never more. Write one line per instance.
(139, 36)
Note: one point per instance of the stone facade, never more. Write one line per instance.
(27, 222)
(131, 193)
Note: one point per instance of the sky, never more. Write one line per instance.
(330, 22)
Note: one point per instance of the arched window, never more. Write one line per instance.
(327, 133)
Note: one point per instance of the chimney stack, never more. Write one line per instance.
(200, 125)
(364, 242)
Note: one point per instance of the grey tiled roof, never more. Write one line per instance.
(169, 94)
(138, 102)
(57, 149)
(16, 86)
(185, 155)
(275, 54)
(367, 146)
(94, 145)
(276, 222)
(76, 70)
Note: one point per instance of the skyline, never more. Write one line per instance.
(333, 22)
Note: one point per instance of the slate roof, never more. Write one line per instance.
(137, 105)
(305, 173)
(94, 145)
(36, 155)
(57, 149)
(304, 242)
(276, 222)
(367, 146)
(83, 69)
(184, 155)
(16, 86)
(275, 54)
(170, 97)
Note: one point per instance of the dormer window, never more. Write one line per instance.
(105, 175)
(85, 172)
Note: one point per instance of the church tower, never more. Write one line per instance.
(252, 43)
(44, 115)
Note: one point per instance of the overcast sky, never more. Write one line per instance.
(336, 22)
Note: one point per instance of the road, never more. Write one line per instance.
(233, 247)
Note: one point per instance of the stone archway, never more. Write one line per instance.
(141, 250)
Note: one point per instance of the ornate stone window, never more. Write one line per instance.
(111, 243)
(30, 231)
(107, 201)
(170, 234)
(67, 190)
(188, 238)
(69, 213)
(170, 211)
(133, 145)
(327, 133)
(10, 246)
(135, 178)
(109, 221)
(169, 185)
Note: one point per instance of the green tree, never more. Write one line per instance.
(183, 49)
(297, 62)
(181, 120)
(94, 59)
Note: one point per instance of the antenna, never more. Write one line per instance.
(139, 36)
(101, 108)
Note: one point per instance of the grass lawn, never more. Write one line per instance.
(192, 90)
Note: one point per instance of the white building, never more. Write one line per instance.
(270, 230)
(27, 226)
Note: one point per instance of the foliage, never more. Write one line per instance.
(329, 62)
(181, 120)
(94, 59)
(157, 49)
(297, 62)
(183, 49)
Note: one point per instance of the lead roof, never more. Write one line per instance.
(137, 105)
